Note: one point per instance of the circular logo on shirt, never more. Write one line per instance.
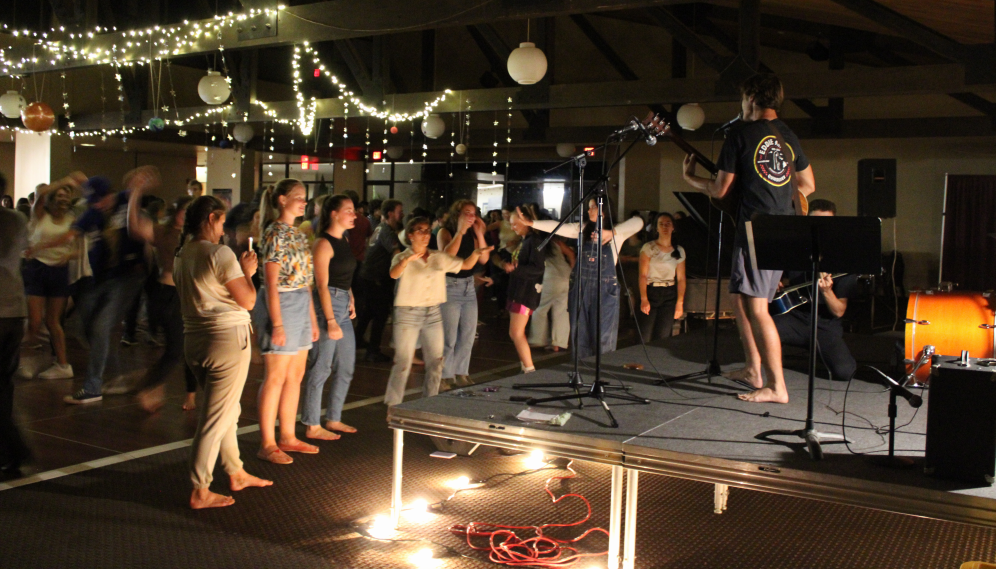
(771, 163)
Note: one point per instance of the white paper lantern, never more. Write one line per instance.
(527, 63)
(565, 149)
(395, 152)
(691, 116)
(11, 104)
(461, 149)
(243, 132)
(213, 88)
(433, 126)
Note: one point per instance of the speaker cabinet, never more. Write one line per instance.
(961, 420)
(877, 187)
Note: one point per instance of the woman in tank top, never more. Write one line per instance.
(335, 265)
(46, 269)
(662, 282)
(462, 234)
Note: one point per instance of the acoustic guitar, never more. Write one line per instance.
(729, 203)
(788, 299)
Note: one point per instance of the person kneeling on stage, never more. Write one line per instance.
(794, 326)
(421, 289)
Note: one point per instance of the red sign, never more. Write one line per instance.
(377, 154)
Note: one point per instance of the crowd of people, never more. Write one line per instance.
(308, 284)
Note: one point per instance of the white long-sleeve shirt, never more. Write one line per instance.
(623, 231)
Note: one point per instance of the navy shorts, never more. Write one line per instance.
(295, 311)
(751, 281)
(45, 280)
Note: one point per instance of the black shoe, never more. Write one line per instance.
(377, 357)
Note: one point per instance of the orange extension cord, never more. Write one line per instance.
(506, 547)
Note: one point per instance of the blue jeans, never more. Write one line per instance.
(586, 324)
(102, 306)
(459, 325)
(341, 352)
(412, 323)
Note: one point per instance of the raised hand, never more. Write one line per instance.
(522, 218)
(249, 263)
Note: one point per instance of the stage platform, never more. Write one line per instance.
(700, 431)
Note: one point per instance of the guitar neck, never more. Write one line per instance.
(688, 148)
(810, 283)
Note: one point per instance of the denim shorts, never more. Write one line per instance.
(45, 280)
(295, 312)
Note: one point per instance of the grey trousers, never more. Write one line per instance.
(219, 360)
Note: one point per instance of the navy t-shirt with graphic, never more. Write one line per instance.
(112, 252)
(753, 154)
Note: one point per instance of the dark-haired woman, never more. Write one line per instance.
(216, 293)
(334, 269)
(662, 282)
(166, 240)
(421, 289)
(462, 234)
(584, 323)
(285, 318)
(525, 285)
(46, 269)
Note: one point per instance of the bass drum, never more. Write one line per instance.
(951, 322)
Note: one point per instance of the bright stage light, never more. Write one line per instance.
(418, 511)
(423, 559)
(381, 527)
(459, 483)
(535, 460)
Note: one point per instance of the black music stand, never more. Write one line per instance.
(814, 245)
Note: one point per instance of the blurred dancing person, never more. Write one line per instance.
(375, 277)
(525, 285)
(551, 322)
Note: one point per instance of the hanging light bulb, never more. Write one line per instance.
(433, 126)
(11, 104)
(243, 132)
(213, 88)
(691, 116)
(527, 63)
(565, 149)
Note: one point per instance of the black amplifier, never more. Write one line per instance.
(961, 419)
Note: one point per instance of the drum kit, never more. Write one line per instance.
(952, 322)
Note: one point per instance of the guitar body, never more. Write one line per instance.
(785, 302)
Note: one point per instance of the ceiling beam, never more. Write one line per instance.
(345, 19)
(852, 82)
(603, 47)
(906, 27)
(689, 39)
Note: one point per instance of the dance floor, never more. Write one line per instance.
(132, 511)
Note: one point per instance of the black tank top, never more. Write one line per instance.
(342, 264)
(467, 246)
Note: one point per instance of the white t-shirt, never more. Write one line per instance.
(424, 281)
(663, 266)
(46, 229)
(200, 273)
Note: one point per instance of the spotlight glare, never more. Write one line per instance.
(460, 483)
(535, 460)
(381, 527)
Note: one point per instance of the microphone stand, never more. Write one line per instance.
(895, 389)
(597, 388)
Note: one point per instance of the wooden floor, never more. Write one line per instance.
(61, 435)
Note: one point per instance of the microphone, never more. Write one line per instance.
(928, 352)
(913, 399)
(636, 125)
(729, 123)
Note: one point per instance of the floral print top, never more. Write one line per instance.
(288, 248)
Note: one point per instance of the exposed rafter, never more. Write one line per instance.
(603, 47)
(907, 27)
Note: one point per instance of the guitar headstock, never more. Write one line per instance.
(657, 125)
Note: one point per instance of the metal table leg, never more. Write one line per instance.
(615, 516)
(396, 504)
(720, 495)
(629, 540)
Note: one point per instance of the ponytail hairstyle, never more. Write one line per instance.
(199, 212)
(181, 203)
(269, 203)
(331, 203)
(453, 221)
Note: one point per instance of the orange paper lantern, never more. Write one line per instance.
(38, 116)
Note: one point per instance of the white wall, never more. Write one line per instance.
(32, 162)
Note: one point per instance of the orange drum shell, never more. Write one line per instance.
(954, 319)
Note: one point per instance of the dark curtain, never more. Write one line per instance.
(970, 233)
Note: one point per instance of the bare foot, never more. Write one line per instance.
(204, 498)
(190, 402)
(242, 480)
(151, 400)
(317, 432)
(746, 374)
(764, 395)
(296, 445)
(339, 426)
